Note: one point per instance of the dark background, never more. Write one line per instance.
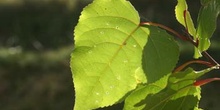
(36, 39)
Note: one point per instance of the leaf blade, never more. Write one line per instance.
(207, 22)
(177, 93)
(181, 11)
(106, 60)
(160, 54)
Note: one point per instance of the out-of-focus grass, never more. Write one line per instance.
(35, 80)
(69, 3)
(36, 38)
(15, 56)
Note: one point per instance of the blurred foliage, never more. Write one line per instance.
(35, 45)
(33, 24)
(36, 39)
(35, 81)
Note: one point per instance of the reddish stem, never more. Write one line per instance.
(191, 62)
(205, 81)
(166, 28)
(184, 14)
(195, 43)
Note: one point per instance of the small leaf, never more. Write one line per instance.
(207, 22)
(179, 93)
(106, 61)
(181, 11)
(160, 54)
(183, 17)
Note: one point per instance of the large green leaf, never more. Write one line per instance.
(177, 94)
(207, 22)
(106, 61)
(160, 54)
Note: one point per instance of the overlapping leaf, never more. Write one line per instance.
(160, 54)
(178, 93)
(207, 22)
(106, 61)
(140, 94)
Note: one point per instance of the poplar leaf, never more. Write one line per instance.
(207, 22)
(172, 92)
(106, 61)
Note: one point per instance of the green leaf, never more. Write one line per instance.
(106, 61)
(182, 7)
(160, 54)
(140, 94)
(179, 93)
(207, 22)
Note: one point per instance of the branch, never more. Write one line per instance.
(209, 57)
(171, 31)
(205, 81)
(191, 62)
(189, 39)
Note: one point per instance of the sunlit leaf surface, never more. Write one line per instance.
(174, 93)
(106, 61)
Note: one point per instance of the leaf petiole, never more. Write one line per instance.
(205, 81)
(166, 28)
(191, 62)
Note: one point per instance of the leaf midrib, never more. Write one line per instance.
(113, 57)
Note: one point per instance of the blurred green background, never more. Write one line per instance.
(36, 39)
